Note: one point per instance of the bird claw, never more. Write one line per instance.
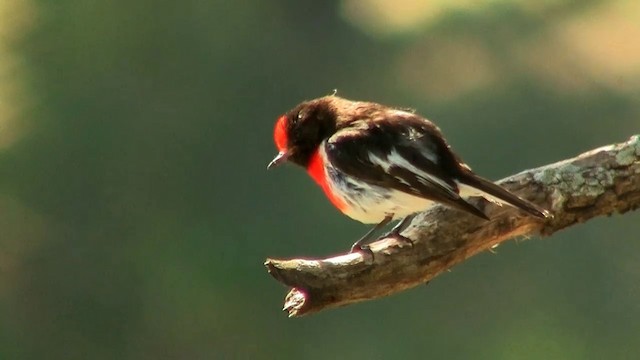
(365, 250)
(398, 237)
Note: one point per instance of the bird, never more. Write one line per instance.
(377, 164)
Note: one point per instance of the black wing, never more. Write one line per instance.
(401, 151)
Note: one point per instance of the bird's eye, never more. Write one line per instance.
(301, 115)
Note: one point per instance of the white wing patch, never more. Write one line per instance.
(429, 155)
(468, 191)
(394, 159)
(402, 180)
(385, 165)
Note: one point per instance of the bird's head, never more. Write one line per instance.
(299, 132)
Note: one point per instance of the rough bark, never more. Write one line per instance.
(599, 182)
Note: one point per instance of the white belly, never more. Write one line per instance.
(370, 204)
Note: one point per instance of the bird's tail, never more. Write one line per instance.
(478, 186)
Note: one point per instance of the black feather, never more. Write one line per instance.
(489, 187)
(414, 139)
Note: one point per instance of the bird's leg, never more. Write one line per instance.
(359, 245)
(395, 232)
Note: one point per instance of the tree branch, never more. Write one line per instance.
(599, 182)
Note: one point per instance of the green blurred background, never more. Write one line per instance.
(136, 210)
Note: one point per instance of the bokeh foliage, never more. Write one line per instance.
(136, 211)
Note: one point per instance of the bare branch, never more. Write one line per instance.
(600, 182)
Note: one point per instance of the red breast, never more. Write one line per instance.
(316, 170)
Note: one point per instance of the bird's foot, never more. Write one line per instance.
(363, 249)
(361, 245)
(399, 237)
(395, 232)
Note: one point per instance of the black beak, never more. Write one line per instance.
(279, 159)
